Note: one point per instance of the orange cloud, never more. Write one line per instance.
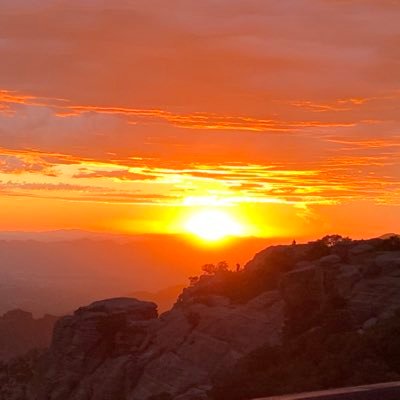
(224, 102)
(198, 120)
(331, 181)
(12, 164)
(122, 175)
(207, 121)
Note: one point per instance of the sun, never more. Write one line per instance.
(213, 225)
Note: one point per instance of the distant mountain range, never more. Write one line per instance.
(67, 235)
(55, 272)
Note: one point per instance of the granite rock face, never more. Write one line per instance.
(120, 349)
(194, 342)
(367, 287)
(94, 352)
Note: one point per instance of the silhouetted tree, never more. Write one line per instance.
(222, 266)
(212, 269)
(333, 240)
(209, 269)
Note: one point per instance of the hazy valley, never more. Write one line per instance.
(56, 272)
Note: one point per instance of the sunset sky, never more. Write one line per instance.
(135, 115)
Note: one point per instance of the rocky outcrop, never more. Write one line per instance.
(121, 349)
(94, 353)
(367, 286)
(377, 293)
(20, 332)
(194, 342)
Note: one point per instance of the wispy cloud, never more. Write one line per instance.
(198, 120)
(226, 102)
(336, 179)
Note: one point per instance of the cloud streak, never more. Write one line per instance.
(231, 102)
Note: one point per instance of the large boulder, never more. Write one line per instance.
(194, 342)
(93, 353)
(275, 257)
(119, 349)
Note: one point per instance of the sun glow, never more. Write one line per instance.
(213, 225)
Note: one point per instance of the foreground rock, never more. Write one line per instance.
(118, 349)
(195, 342)
(121, 349)
(94, 353)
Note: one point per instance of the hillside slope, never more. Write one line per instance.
(300, 317)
